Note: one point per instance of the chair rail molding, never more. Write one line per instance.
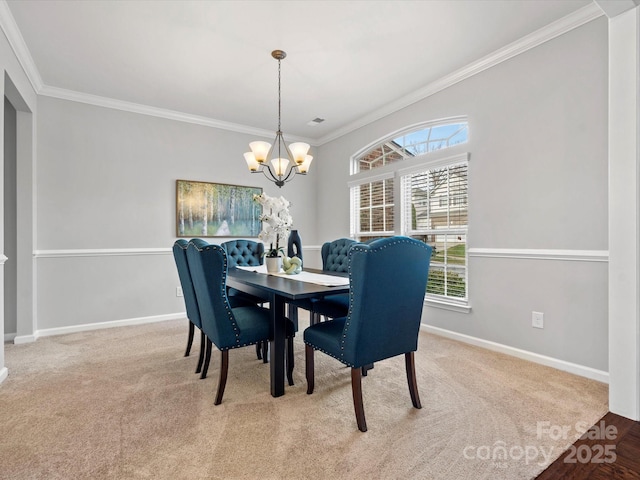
(101, 252)
(116, 252)
(541, 254)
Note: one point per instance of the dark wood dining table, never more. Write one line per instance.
(280, 290)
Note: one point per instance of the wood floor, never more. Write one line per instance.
(610, 450)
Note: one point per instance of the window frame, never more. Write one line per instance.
(448, 156)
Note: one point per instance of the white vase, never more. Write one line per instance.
(274, 264)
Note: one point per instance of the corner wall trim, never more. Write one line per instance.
(4, 373)
(581, 370)
(541, 254)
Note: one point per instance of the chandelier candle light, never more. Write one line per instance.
(279, 169)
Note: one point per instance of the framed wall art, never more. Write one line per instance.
(216, 210)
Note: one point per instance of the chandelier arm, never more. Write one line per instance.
(291, 173)
(272, 177)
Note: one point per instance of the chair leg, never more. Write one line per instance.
(259, 350)
(308, 353)
(290, 360)
(356, 389)
(224, 369)
(203, 347)
(207, 359)
(410, 363)
(190, 339)
(265, 351)
(366, 368)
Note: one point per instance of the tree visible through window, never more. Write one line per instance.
(427, 200)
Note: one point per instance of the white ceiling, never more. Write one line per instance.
(346, 60)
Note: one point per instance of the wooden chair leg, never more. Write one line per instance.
(265, 351)
(203, 347)
(259, 350)
(308, 353)
(410, 363)
(190, 339)
(207, 359)
(290, 360)
(356, 389)
(366, 368)
(224, 369)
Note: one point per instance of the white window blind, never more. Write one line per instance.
(435, 211)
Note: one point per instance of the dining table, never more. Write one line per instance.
(281, 289)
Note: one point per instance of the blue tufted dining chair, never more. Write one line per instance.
(189, 295)
(388, 281)
(244, 252)
(225, 326)
(191, 302)
(247, 253)
(334, 259)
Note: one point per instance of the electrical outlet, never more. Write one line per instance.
(178, 291)
(537, 319)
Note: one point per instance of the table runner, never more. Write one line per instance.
(309, 277)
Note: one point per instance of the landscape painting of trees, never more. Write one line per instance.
(216, 210)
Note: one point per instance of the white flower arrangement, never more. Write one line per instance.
(277, 222)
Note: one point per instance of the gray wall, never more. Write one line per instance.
(537, 181)
(106, 182)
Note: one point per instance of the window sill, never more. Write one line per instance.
(445, 305)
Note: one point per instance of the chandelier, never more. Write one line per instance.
(279, 169)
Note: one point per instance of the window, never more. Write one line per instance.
(402, 186)
(435, 211)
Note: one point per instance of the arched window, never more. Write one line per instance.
(405, 184)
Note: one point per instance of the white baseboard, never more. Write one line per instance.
(97, 326)
(583, 371)
(4, 373)
(20, 339)
(8, 337)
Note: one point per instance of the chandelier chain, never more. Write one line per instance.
(279, 107)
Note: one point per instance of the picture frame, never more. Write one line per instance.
(206, 209)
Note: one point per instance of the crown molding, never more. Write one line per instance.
(576, 19)
(15, 39)
(107, 102)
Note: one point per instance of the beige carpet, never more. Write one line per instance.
(124, 403)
